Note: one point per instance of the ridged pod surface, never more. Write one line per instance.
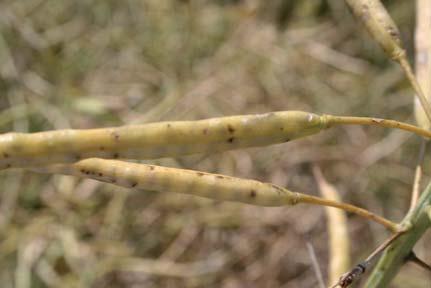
(156, 140)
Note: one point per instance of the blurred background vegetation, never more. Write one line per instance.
(100, 63)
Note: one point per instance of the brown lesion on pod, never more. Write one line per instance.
(116, 136)
(5, 155)
(133, 184)
(220, 176)
(231, 139)
(151, 167)
(253, 193)
(205, 131)
(200, 174)
(230, 128)
(116, 155)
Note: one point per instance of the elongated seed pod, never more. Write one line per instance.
(155, 140)
(170, 139)
(213, 186)
(164, 179)
(384, 31)
(379, 23)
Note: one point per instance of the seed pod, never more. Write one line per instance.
(164, 179)
(213, 186)
(384, 31)
(155, 140)
(379, 24)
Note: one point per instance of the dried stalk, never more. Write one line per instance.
(339, 243)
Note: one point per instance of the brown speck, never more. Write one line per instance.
(151, 167)
(78, 157)
(220, 177)
(116, 136)
(113, 180)
(253, 193)
(230, 140)
(205, 131)
(287, 140)
(168, 125)
(230, 128)
(100, 174)
(200, 174)
(8, 165)
(102, 148)
(5, 155)
(116, 155)
(82, 171)
(281, 128)
(133, 184)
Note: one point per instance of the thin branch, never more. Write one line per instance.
(316, 266)
(415, 259)
(348, 120)
(349, 277)
(418, 176)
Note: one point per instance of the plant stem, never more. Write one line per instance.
(394, 257)
(348, 120)
(304, 198)
(405, 65)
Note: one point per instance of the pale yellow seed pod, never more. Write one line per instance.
(213, 186)
(379, 24)
(155, 140)
(164, 179)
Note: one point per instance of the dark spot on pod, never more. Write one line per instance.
(151, 167)
(253, 193)
(281, 128)
(115, 136)
(5, 155)
(230, 128)
(231, 139)
(200, 173)
(8, 165)
(168, 125)
(133, 184)
(287, 140)
(100, 174)
(116, 155)
(102, 148)
(205, 131)
(78, 157)
(220, 177)
(113, 181)
(82, 171)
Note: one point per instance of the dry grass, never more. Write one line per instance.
(87, 64)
